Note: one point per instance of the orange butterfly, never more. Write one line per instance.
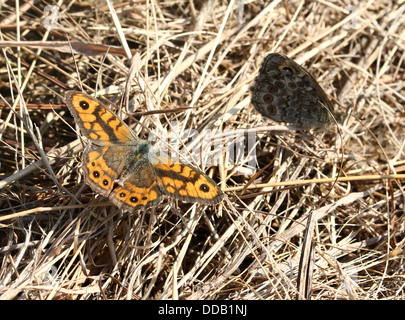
(121, 167)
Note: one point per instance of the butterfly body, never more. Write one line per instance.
(122, 167)
(285, 92)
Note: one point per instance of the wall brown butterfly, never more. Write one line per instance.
(121, 167)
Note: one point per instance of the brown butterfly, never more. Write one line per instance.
(285, 92)
(121, 167)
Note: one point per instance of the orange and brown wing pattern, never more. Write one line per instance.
(132, 196)
(99, 173)
(128, 184)
(117, 164)
(186, 183)
(95, 121)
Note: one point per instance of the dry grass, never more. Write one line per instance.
(61, 241)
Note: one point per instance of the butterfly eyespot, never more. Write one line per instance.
(287, 69)
(96, 174)
(105, 182)
(204, 188)
(272, 89)
(122, 194)
(144, 198)
(279, 84)
(272, 110)
(93, 164)
(84, 105)
(134, 199)
(268, 98)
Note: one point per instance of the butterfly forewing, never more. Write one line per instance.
(96, 122)
(186, 183)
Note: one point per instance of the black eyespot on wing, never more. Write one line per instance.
(288, 69)
(84, 105)
(204, 188)
(280, 84)
(272, 89)
(268, 98)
